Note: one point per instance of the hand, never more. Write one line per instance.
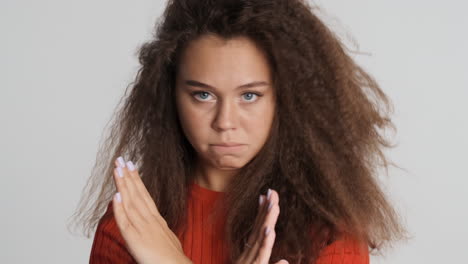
(145, 231)
(263, 235)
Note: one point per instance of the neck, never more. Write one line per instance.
(212, 178)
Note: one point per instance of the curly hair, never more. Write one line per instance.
(324, 147)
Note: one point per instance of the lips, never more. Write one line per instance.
(225, 148)
(228, 144)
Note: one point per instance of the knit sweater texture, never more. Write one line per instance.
(203, 239)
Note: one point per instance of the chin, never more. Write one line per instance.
(229, 163)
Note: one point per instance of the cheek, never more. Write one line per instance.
(259, 123)
(184, 116)
(192, 122)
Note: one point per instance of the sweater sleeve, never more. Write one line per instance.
(109, 245)
(344, 250)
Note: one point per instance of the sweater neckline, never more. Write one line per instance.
(205, 193)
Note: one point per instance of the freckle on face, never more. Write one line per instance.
(224, 115)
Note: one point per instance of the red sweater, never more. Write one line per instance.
(203, 240)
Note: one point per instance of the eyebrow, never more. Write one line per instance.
(244, 86)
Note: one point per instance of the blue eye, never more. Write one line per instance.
(203, 95)
(250, 97)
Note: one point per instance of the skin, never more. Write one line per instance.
(223, 112)
(219, 114)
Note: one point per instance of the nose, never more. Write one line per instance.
(226, 116)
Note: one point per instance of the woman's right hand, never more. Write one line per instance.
(263, 235)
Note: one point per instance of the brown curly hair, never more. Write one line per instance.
(322, 153)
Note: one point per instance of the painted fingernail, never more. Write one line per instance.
(130, 165)
(267, 230)
(118, 197)
(121, 161)
(269, 194)
(260, 200)
(120, 172)
(270, 205)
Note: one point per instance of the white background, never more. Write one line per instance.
(65, 64)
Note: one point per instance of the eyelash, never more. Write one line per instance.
(255, 93)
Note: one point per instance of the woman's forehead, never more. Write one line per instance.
(217, 61)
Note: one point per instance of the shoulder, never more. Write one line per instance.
(109, 245)
(108, 226)
(344, 250)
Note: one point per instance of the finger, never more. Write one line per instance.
(264, 252)
(136, 196)
(273, 213)
(258, 234)
(261, 214)
(267, 245)
(123, 223)
(142, 199)
(128, 198)
(283, 261)
(141, 189)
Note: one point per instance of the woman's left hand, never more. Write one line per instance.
(146, 233)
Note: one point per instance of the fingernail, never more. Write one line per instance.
(130, 165)
(269, 194)
(260, 200)
(120, 172)
(121, 161)
(267, 230)
(270, 205)
(118, 197)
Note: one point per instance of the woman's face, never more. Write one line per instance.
(224, 96)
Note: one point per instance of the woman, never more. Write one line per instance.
(255, 138)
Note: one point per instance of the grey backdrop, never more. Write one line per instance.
(65, 64)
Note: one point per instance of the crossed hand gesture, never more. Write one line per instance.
(150, 240)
